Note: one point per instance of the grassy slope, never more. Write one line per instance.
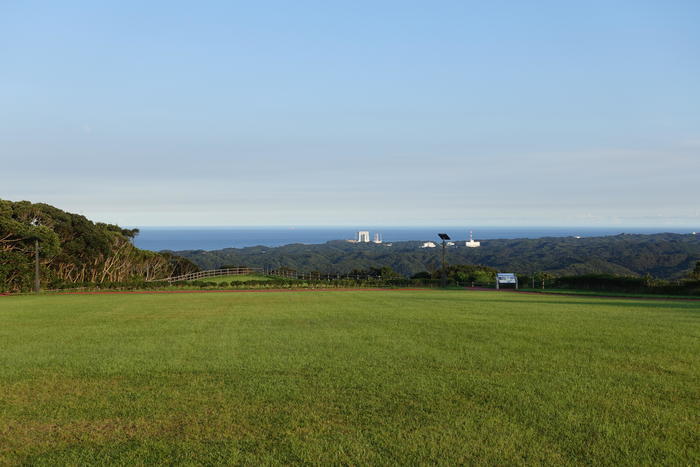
(238, 278)
(356, 377)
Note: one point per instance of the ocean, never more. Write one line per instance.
(216, 238)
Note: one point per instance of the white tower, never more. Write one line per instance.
(377, 238)
(471, 243)
(363, 236)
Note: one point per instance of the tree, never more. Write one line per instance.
(72, 249)
(696, 272)
(18, 239)
(469, 273)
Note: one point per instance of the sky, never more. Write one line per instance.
(374, 112)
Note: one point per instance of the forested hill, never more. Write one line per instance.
(72, 250)
(662, 255)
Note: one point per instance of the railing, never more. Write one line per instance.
(290, 274)
(211, 273)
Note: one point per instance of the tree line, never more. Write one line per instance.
(73, 250)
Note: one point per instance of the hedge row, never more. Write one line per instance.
(610, 283)
(596, 282)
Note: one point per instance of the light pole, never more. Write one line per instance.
(443, 279)
(37, 280)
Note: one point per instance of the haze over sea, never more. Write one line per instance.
(216, 238)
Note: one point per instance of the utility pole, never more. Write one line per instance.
(37, 281)
(443, 278)
(444, 273)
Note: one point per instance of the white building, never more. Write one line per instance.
(377, 238)
(471, 243)
(363, 236)
(428, 245)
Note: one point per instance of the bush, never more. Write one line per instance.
(602, 282)
(628, 284)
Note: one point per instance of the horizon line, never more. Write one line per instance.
(408, 226)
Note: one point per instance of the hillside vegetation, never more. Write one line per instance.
(72, 249)
(664, 255)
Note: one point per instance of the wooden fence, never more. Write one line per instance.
(281, 273)
(211, 273)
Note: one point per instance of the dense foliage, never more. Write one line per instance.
(665, 255)
(627, 284)
(72, 249)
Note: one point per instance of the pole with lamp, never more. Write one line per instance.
(443, 278)
(37, 279)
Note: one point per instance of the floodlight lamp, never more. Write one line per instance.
(444, 236)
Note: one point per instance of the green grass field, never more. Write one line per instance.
(373, 377)
(605, 293)
(238, 278)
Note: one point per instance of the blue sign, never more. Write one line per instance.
(506, 278)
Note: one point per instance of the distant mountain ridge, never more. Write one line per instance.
(663, 255)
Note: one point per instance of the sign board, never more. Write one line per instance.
(506, 278)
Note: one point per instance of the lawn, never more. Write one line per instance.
(355, 377)
(605, 293)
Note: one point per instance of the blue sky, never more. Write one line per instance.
(344, 113)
